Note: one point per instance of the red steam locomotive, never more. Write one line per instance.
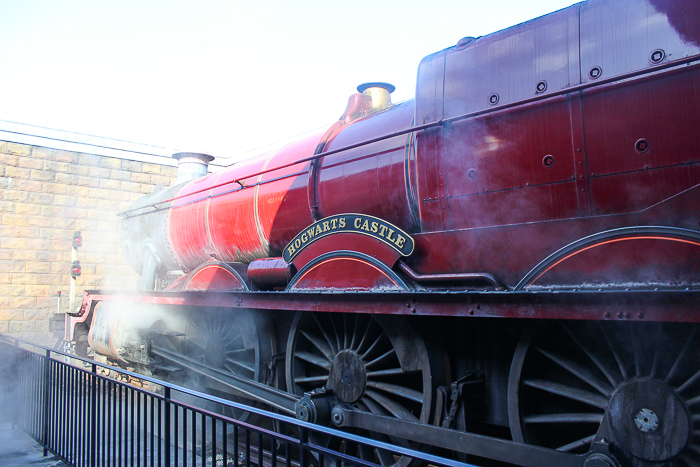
(505, 267)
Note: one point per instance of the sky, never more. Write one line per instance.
(222, 77)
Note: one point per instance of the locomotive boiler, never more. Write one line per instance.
(505, 268)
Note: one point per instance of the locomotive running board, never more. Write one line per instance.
(609, 305)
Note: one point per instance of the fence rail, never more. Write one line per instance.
(87, 418)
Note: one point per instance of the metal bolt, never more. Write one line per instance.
(337, 416)
(657, 56)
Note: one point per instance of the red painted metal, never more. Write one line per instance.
(518, 144)
(342, 272)
(270, 272)
(666, 305)
(214, 277)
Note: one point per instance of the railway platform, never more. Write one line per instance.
(17, 449)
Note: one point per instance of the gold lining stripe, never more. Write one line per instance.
(258, 225)
(220, 257)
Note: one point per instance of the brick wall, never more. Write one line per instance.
(47, 194)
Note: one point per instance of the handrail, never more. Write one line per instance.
(440, 122)
(88, 385)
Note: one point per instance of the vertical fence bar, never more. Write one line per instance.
(273, 452)
(224, 441)
(184, 437)
(153, 421)
(167, 426)
(83, 417)
(175, 432)
(131, 419)
(194, 438)
(138, 429)
(303, 439)
(45, 424)
(115, 446)
(121, 400)
(235, 444)
(104, 441)
(159, 438)
(213, 442)
(93, 415)
(288, 455)
(247, 448)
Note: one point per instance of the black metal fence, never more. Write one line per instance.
(90, 414)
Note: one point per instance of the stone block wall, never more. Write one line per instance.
(46, 195)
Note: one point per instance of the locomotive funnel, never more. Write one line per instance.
(191, 165)
(380, 94)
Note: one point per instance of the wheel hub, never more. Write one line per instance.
(649, 420)
(348, 377)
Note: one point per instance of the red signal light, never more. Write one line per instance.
(77, 239)
(75, 269)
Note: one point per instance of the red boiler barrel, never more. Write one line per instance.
(255, 217)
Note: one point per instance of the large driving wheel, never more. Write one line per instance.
(635, 384)
(378, 365)
(236, 342)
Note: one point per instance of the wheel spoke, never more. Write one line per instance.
(594, 358)
(578, 370)
(635, 352)
(618, 359)
(377, 409)
(401, 391)
(681, 356)
(364, 336)
(381, 358)
(577, 444)
(238, 352)
(354, 332)
(335, 333)
(389, 372)
(196, 342)
(240, 365)
(565, 418)
(317, 348)
(345, 331)
(374, 345)
(228, 330)
(688, 460)
(576, 394)
(326, 336)
(319, 344)
(385, 457)
(314, 359)
(393, 407)
(311, 379)
(689, 382)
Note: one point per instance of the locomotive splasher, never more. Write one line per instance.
(521, 243)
